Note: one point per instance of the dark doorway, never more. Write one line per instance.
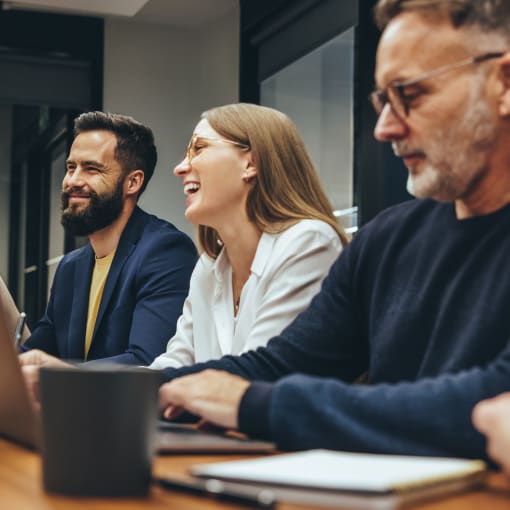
(51, 68)
(41, 140)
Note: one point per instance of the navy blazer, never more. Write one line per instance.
(142, 299)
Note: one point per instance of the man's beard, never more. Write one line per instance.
(101, 211)
(457, 155)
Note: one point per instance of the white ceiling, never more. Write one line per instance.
(177, 13)
(184, 13)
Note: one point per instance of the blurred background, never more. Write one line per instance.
(164, 62)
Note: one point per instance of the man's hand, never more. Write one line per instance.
(39, 358)
(492, 418)
(30, 362)
(213, 395)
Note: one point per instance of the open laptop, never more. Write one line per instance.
(19, 422)
(176, 438)
(10, 312)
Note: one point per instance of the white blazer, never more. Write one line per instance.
(286, 273)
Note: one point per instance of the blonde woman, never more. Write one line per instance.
(265, 227)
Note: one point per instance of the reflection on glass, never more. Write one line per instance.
(316, 91)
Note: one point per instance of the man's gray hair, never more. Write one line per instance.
(485, 15)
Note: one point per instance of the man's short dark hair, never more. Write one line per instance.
(486, 15)
(135, 148)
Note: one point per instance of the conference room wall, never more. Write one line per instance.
(166, 77)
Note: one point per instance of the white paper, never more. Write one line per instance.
(324, 469)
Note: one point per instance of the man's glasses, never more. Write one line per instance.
(394, 94)
(197, 143)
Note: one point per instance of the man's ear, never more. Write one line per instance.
(504, 100)
(133, 182)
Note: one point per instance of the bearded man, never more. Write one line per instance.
(117, 298)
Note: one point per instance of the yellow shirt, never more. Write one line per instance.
(99, 275)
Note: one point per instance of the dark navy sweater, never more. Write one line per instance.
(421, 301)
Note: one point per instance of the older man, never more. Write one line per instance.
(421, 297)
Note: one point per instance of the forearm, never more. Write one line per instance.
(251, 365)
(426, 417)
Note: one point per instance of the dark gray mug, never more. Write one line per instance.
(99, 426)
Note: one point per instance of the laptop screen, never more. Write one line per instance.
(18, 421)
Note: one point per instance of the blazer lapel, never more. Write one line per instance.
(83, 267)
(127, 244)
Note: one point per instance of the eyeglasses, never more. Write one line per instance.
(395, 95)
(197, 143)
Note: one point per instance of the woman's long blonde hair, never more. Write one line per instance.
(286, 188)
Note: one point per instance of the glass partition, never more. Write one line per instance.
(316, 91)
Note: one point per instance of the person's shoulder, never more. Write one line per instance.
(400, 224)
(405, 212)
(205, 266)
(156, 224)
(308, 229)
(313, 225)
(407, 207)
(160, 230)
(302, 237)
(203, 275)
(72, 260)
(75, 255)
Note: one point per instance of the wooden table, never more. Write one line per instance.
(21, 488)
